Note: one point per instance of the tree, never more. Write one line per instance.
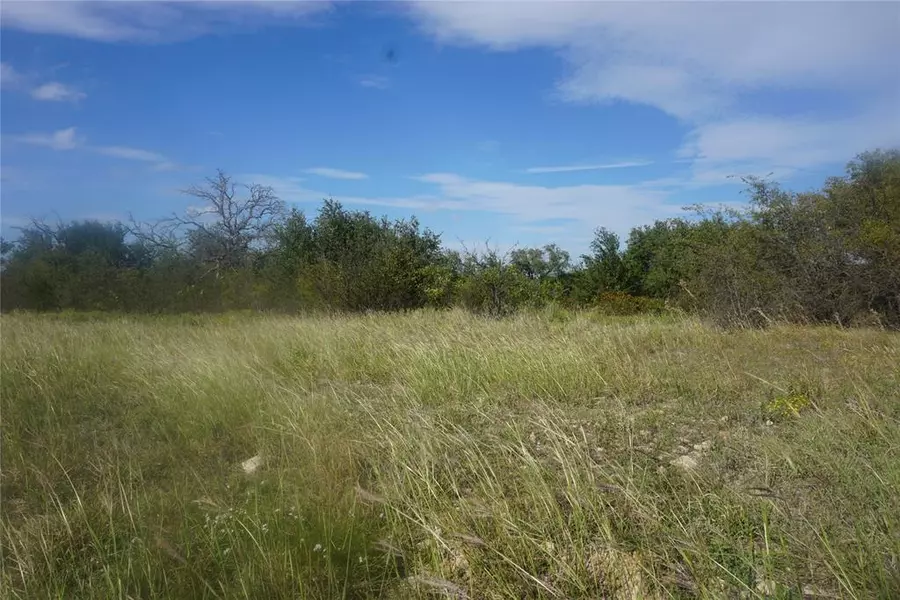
(350, 260)
(67, 265)
(657, 258)
(831, 254)
(492, 284)
(223, 230)
(551, 261)
(862, 210)
(603, 270)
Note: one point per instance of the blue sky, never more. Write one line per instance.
(522, 123)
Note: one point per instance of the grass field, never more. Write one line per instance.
(437, 454)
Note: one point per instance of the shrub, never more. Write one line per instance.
(787, 406)
(622, 304)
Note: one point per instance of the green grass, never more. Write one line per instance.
(435, 454)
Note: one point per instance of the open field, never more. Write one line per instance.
(434, 454)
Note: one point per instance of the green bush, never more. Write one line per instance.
(622, 304)
(823, 256)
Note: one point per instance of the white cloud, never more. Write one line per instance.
(68, 139)
(615, 205)
(131, 153)
(706, 63)
(784, 145)
(375, 81)
(150, 22)
(63, 139)
(53, 91)
(335, 173)
(688, 59)
(57, 92)
(288, 189)
(668, 89)
(158, 162)
(9, 77)
(14, 222)
(543, 229)
(618, 207)
(573, 168)
(168, 165)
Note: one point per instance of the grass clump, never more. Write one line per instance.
(439, 454)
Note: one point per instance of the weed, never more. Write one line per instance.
(404, 456)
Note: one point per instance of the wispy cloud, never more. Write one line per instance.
(12, 79)
(157, 161)
(9, 77)
(335, 173)
(542, 229)
(68, 139)
(685, 58)
(55, 91)
(488, 146)
(63, 139)
(130, 153)
(287, 188)
(528, 203)
(574, 168)
(375, 81)
(150, 22)
(785, 145)
(14, 222)
(583, 207)
(706, 64)
(542, 211)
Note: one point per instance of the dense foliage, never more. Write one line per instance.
(831, 255)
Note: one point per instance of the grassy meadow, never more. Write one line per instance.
(430, 455)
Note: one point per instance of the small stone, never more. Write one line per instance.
(766, 587)
(703, 446)
(811, 591)
(251, 465)
(686, 462)
(769, 422)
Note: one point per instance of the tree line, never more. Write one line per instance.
(827, 255)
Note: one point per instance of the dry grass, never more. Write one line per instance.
(430, 455)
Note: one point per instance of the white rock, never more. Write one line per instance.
(251, 465)
(811, 591)
(686, 462)
(766, 587)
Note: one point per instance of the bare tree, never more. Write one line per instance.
(223, 228)
(157, 236)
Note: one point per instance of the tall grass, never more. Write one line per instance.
(434, 454)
